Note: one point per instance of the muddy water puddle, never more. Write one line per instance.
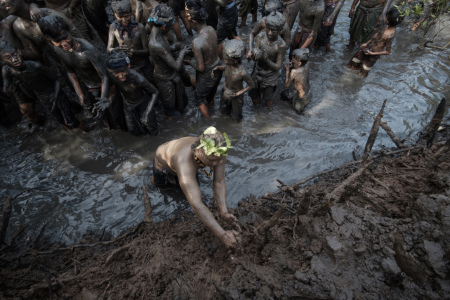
(81, 182)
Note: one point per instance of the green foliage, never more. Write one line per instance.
(209, 146)
(428, 10)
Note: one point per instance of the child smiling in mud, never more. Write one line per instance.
(380, 44)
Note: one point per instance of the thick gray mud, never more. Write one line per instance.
(81, 182)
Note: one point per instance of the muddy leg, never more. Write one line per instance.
(328, 49)
(254, 17)
(185, 22)
(243, 21)
(269, 103)
(351, 44)
(27, 109)
(204, 110)
(177, 29)
(255, 101)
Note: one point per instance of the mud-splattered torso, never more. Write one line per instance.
(310, 12)
(134, 41)
(134, 87)
(384, 41)
(80, 61)
(285, 34)
(272, 48)
(301, 80)
(34, 75)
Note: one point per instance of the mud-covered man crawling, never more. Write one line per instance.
(177, 163)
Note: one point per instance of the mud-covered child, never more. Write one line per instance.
(379, 45)
(139, 95)
(40, 82)
(297, 72)
(232, 98)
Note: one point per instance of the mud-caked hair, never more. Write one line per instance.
(54, 27)
(121, 7)
(275, 21)
(161, 15)
(272, 6)
(233, 49)
(7, 47)
(195, 10)
(117, 60)
(301, 55)
(393, 16)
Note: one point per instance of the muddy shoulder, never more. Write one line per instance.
(385, 236)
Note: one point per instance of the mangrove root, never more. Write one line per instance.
(373, 133)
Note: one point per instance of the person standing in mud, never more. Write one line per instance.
(297, 72)
(205, 57)
(228, 18)
(269, 6)
(72, 10)
(138, 106)
(248, 7)
(290, 12)
(40, 81)
(332, 8)
(232, 99)
(171, 90)
(178, 11)
(379, 45)
(310, 18)
(84, 66)
(177, 163)
(125, 34)
(27, 30)
(269, 54)
(364, 20)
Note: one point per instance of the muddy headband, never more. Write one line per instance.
(161, 22)
(118, 63)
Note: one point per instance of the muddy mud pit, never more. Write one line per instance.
(386, 238)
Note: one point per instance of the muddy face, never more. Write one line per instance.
(11, 6)
(272, 33)
(120, 74)
(66, 43)
(123, 18)
(12, 59)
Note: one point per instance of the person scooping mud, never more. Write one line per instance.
(177, 163)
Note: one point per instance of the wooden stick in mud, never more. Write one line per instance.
(392, 135)
(373, 133)
(6, 215)
(336, 194)
(435, 123)
(354, 163)
(272, 221)
(148, 207)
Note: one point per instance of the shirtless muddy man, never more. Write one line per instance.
(177, 163)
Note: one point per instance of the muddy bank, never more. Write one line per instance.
(386, 237)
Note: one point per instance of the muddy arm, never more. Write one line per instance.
(251, 37)
(250, 83)
(312, 37)
(191, 189)
(6, 79)
(289, 77)
(30, 50)
(197, 63)
(111, 39)
(169, 60)
(280, 57)
(76, 86)
(334, 13)
(352, 10)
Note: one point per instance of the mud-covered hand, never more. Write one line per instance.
(35, 13)
(144, 119)
(328, 22)
(249, 55)
(231, 218)
(229, 238)
(287, 65)
(130, 52)
(100, 107)
(351, 13)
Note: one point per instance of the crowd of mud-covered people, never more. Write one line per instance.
(81, 65)
(78, 62)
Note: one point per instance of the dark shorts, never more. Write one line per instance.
(363, 23)
(228, 19)
(363, 62)
(325, 32)
(232, 106)
(248, 7)
(62, 112)
(19, 95)
(298, 40)
(162, 177)
(133, 114)
(171, 93)
(206, 87)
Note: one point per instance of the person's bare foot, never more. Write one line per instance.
(328, 48)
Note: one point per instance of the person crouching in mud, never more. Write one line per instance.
(136, 91)
(177, 163)
(297, 71)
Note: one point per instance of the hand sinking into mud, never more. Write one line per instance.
(230, 238)
(100, 107)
